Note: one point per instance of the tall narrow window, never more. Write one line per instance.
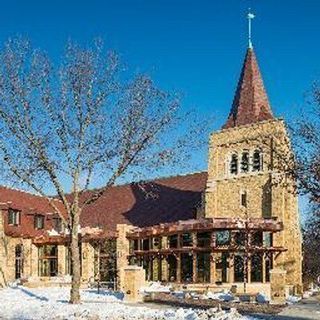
(14, 217)
(19, 261)
(38, 222)
(243, 199)
(234, 164)
(245, 162)
(257, 161)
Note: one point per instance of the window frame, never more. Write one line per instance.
(16, 220)
(39, 217)
(234, 164)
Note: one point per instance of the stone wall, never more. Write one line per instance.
(269, 192)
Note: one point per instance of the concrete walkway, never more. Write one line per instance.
(304, 310)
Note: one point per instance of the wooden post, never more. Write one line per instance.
(194, 268)
(178, 267)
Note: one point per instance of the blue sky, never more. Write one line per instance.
(196, 47)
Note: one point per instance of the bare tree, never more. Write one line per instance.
(82, 122)
(307, 142)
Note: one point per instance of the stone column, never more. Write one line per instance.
(277, 286)
(178, 267)
(164, 269)
(61, 260)
(122, 252)
(231, 269)
(34, 261)
(212, 268)
(194, 268)
(87, 262)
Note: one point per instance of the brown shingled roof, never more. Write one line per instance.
(159, 201)
(167, 200)
(250, 102)
(29, 205)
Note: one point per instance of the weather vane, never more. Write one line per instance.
(250, 16)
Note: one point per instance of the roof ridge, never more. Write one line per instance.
(29, 193)
(148, 180)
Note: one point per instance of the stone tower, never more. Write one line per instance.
(246, 170)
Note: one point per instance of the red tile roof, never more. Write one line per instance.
(159, 201)
(250, 102)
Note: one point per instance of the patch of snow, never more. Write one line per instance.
(156, 287)
(221, 296)
(53, 233)
(293, 299)
(22, 303)
(262, 298)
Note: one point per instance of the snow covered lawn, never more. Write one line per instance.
(52, 303)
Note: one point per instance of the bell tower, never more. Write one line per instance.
(246, 169)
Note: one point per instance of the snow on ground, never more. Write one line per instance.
(21, 303)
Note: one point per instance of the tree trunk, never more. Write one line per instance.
(75, 259)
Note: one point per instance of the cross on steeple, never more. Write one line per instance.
(250, 16)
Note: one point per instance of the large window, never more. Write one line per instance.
(39, 222)
(257, 161)
(203, 266)
(57, 224)
(244, 166)
(173, 241)
(234, 164)
(238, 268)
(186, 240)
(257, 239)
(256, 268)
(172, 266)
(186, 267)
(14, 217)
(222, 237)
(48, 261)
(204, 239)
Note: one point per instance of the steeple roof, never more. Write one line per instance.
(250, 103)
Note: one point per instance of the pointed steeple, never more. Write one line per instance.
(250, 103)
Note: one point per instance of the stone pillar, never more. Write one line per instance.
(34, 261)
(212, 268)
(263, 268)
(61, 260)
(87, 262)
(178, 267)
(164, 269)
(194, 268)
(278, 286)
(231, 269)
(122, 252)
(134, 280)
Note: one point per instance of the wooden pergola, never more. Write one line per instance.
(143, 246)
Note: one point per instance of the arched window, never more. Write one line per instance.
(257, 160)
(234, 164)
(244, 162)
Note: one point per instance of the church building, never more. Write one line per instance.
(229, 227)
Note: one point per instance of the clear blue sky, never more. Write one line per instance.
(195, 47)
